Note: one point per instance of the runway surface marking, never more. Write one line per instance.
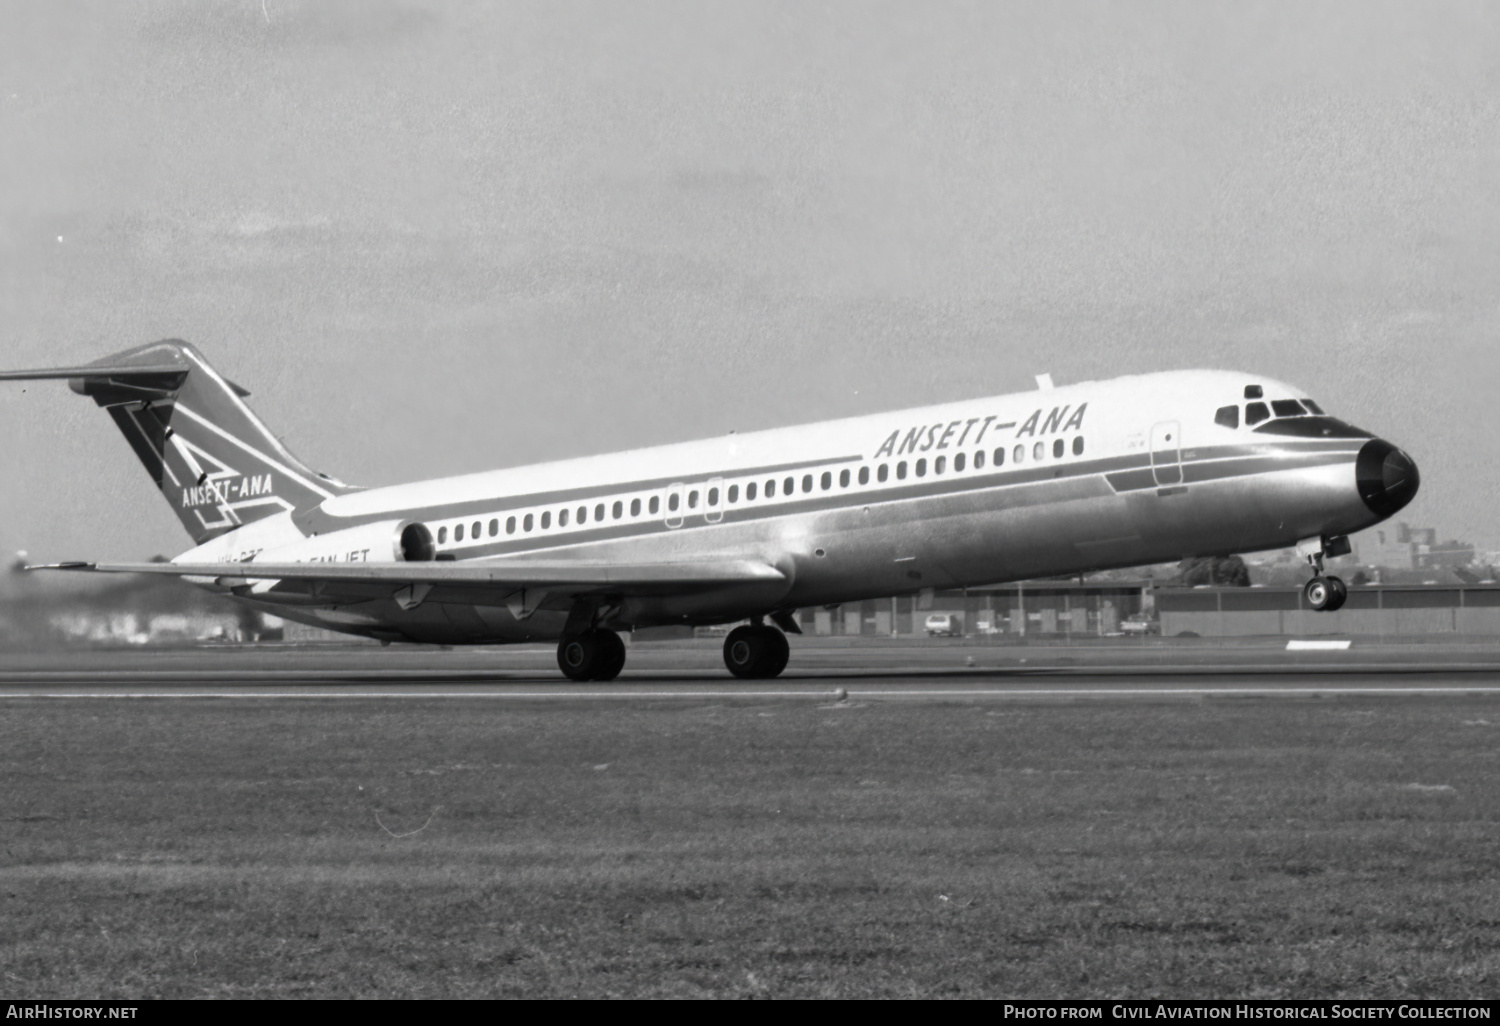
(836, 695)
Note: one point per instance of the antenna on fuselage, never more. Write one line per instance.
(1044, 382)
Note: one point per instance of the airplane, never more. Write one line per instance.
(1142, 469)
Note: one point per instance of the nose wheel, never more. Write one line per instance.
(593, 655)
(756, 652)
(1325, 594)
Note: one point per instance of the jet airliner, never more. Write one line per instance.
(1141, 469)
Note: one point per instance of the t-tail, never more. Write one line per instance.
(216, 462)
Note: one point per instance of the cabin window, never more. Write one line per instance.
(693, 499)
(635, 507)
(713, 496)
(458, 533)
(939, 464)
(1253, 392)
(807, 482)
(749, 492)
(510, 525)
(1078, 446)
(1256, 412)
(655, 504)
(1000, 456)
(789, 486)
(1287, 408)
(546, 519)
(979, 460)
(494, 528)
(1018, 455)
(959, 459)
(864, 475)
(1057, 448)
(599, 511)
(618, 510)
(583, 515)
(672, 501)
(476, 530)
(1312, 407)
(771, 489)
(844, 479)
(442, 534)
(734, 493)
(883, 473)
(1038, 451)
(826, 481)
(562, 518)
(901, 471)
(1227, 416)
(921, 467)
(526, 524)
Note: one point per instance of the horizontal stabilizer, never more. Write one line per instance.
(530, 573)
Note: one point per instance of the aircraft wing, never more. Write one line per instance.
(497, 576)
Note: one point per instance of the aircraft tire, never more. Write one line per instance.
(1340, 592)
(611, 655)
(580, 657)
(747, 652)
(778, 652)
(1320, 594)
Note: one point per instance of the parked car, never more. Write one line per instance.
(944, 625)
(1140, 623)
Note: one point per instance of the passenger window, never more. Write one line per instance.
(922, 467)
(734, 493)
(526, 524)
(442, 534)
(635, 507)
(562, 518)
(1312, 407)
(546, 519)
(672, 502)
(864, 475)
(789, 486)
(458, 533)
(1287, 408)
(693, 499)
(1227, 416)
(901, 470)
(713, 496)
(618, 510)
(1038, 451)
(1057, 448)
(1256, 412)
(1078, 446)
(475, 531)
(1019, 454)
(959, 459)
(599, 511)
(826, 481)
(883, 473)
(807, 482)
(750, 492)
(1000, 456)
(940, 464)
(583, 514)
(771, 488)
(844, 479)
(494, 528)
(655, 504)
(979, 460)
(510, 525)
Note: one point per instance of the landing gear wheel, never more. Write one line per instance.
(1320, 594)
(756, 652)
(592, 655)
(1340, 593)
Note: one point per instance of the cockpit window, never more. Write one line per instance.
(1256, 412)
(1228, 416)
(1287, 408)
(1253, 392)
(1313, 407)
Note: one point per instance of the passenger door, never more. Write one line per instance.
(1166, 453)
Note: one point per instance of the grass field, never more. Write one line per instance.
(1185, 849)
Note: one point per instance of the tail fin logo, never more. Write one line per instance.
(222, 488)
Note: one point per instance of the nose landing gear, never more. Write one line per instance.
(595, 654)
(1324, 593)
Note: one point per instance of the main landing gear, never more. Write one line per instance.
(1324, 594)
(756, 651)
(596, 654)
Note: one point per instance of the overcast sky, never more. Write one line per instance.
(441, 237)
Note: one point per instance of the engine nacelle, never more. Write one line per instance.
(391, 541)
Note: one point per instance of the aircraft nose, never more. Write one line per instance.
(1387, 477)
